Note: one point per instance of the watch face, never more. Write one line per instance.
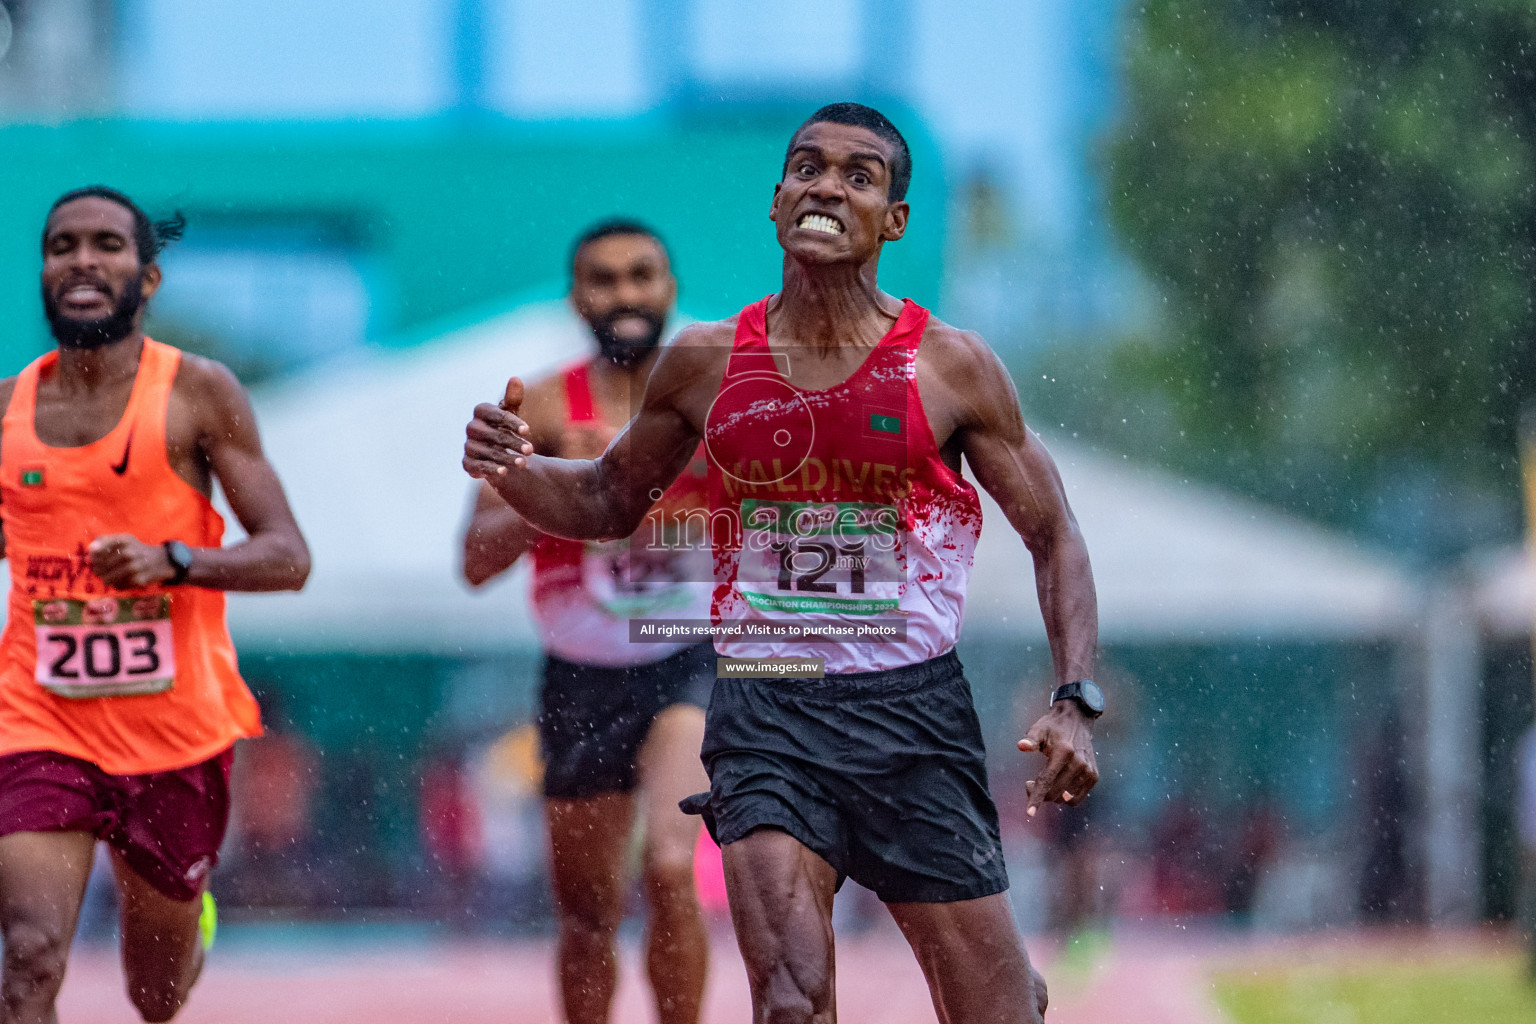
(1092, 695)
(179, 554)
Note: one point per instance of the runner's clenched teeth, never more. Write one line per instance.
(820, 222)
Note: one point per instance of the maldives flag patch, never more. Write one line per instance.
(885, 424)
(32, 476)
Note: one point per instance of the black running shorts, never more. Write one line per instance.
(593, 719)
(882, 774)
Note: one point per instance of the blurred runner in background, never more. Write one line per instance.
(615, 715)
(120, 700)
(269, 858)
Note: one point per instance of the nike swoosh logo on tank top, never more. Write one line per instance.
(122, 467)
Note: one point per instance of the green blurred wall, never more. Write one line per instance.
(449, 214)
(450, 217)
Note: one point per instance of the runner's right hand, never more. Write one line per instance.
(497, 438)
(124, 562)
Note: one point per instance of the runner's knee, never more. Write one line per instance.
(794, 1010)
(159, 980)
(589, 899)
(669, 868)
(157, 1002)
(35, 958)
(793, 989)
(592, 915)
(1041, 998)
(791, 997)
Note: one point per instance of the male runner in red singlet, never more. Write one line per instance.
(614, 715)
(120, 700)
(836, 419)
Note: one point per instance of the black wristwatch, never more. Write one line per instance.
(1085, 692)
(180, 557)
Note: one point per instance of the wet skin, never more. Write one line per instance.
(590, 838)
(89, 258)
(831, 314)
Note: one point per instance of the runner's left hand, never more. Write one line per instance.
(1064, 735)
(126, 563)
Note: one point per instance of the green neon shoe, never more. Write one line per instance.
(208, 921)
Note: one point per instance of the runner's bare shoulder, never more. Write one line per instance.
(961, 379)
(7, 389)
(956, 352)
(706, 334)
(544, 405)
(693, 363)
(208, 405)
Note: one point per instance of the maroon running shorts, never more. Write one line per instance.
(167, 826)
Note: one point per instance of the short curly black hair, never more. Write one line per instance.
(150, 237)
(860, 116)
(610, 228)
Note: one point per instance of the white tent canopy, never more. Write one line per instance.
(1504, 591)
(1174, 560)
(370, 457)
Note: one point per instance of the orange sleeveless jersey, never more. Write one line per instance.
(132, 681)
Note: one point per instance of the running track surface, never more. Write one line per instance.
(1149, 978)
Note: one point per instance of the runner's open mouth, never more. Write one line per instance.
(84, 294)
(820, 222)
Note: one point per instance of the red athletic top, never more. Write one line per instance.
(843, 511)
(585, 594)
(132, 680)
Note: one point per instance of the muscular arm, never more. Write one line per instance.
(606, 497)
(495, 538)
(273, 556)
(1012, 465)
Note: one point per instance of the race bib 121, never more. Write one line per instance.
(841, 557)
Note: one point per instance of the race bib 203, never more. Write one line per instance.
(105, 646)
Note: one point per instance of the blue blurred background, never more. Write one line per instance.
(337, 157)
(1174, 221)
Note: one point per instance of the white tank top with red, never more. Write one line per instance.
(845, 521)
(586, 593)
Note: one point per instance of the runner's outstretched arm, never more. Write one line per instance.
(596, 499)
(273, 556)
(1012, 465)
(495, 538)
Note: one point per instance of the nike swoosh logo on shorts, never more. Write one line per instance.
(122, 467)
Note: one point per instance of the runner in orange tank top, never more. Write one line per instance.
(120, 697)
(620, 722)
